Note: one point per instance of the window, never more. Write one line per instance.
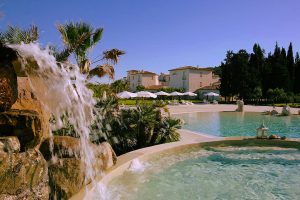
(132, 77)
(174, 73)
(152, 77)
(183, 76)
(200, 84)
(200, 74)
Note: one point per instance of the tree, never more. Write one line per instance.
(226, 88)
(120, 85)
(256, 66)
(297, 74)
(291, 67)
(140, 88)
(257, 93)
(17, 35)
(79, 38)
(280, 73)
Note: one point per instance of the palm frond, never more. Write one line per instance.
(103, 70)
(113, 55)
(17, 35)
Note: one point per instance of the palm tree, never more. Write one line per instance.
(79, 38)
(17, 35)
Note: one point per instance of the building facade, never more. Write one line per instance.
(141, 77)
(192, 78)
(188, 78)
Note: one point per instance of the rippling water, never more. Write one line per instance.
(215, 173)
(239, 124)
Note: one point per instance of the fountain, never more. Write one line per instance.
(262, 131)
(240, 104)
(35, 88)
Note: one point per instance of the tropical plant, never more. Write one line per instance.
(79, 38)
(119, 85)
(168, 130)
(17, 35)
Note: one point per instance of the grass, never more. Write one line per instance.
(292, 105)
(131, 102)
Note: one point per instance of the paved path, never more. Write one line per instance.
(222, 107)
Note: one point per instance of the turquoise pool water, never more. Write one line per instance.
(214, 173)
(239, 124)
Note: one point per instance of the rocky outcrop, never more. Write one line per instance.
(66, 168)
(25, 125)
(8, 78)
(28, 101)
(23, 176)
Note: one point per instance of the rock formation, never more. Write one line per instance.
(8, 78)
(66, 174)
(27, 167)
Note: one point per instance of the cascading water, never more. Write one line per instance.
(61, 89)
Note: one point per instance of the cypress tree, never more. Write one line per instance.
(297, 74)
(280, 74)
(291, 67)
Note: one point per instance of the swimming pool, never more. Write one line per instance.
(227, 124)
(213, 173)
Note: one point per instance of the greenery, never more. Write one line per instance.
(251, 76)
(135, 128)
(17, 35)
(79, 38)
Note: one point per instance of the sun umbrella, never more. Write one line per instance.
(176, 94)
(162, 93)
(190, 94)
(211, 94)
(146, 94)
(126, 95)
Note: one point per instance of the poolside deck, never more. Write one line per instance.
(222, 107)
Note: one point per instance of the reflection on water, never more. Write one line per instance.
(239, 124)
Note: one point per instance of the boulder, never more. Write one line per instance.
(28, 101)
(9, 144)
(23, 176)
(286, 111)
(273, 136)
(67, 170)
(25, 125)
(274, 112)
(8, 78)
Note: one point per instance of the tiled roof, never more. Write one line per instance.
(140, 72)
(192, 68)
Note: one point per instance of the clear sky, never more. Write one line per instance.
(158, 35)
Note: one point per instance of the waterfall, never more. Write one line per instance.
(61, 89)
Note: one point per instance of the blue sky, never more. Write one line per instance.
(162, 34)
